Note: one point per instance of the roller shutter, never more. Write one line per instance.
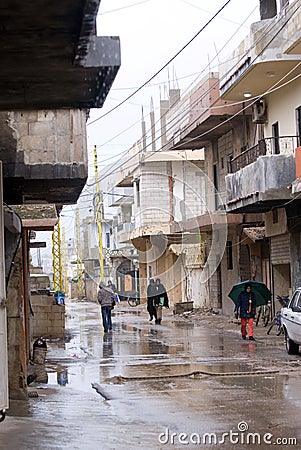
(280, 249)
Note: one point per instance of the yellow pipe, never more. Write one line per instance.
(97, 206)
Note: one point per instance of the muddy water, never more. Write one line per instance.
(143, 385)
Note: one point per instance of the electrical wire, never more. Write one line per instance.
(208, 131)
(206, 93)
(123, 7)
(163, 67)
(199, 75)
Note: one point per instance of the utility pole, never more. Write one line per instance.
(80, 284)
(56, 258)
(98, 216)
(64, 262)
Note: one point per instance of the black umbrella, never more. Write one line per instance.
(260, 290)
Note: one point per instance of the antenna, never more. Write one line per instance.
(168, 78)
(176, 80)
(152, 119)
(143, 130)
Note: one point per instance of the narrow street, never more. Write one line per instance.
(143, 385)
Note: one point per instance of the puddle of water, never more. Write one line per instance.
(165, 369)
(60, 378)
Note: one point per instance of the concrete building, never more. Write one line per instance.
(262, 178)
(165, 189)
(205, 124)
(247, 118)
(49, 80)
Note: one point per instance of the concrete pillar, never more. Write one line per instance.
(164, 105)
(268, 9)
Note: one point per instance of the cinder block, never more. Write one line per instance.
(180, 308)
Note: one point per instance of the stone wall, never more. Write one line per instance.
(49, 319)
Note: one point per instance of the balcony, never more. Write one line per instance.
(121, 253)
(261, 177)
(268, 54)
(121, 196)
(124, 231)
(284, 145)
(201, 112)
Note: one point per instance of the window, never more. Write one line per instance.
(298, 125)
(275, 131)
(138, 193)
(229, 163)
(215, 182)
(275, 215)
(298, 302)
(229, 250)
(107, 240)
(296, 299)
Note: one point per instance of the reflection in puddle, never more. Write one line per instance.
(60, 378)
(184, 325)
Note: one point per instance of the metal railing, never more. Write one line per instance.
(284, 145)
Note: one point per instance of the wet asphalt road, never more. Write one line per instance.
(175, 385)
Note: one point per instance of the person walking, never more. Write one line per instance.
(151, 294)
(160, 300)
(245, 308)
(112, 286)
(106, 299)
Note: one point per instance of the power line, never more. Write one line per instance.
(189, 87)
(165, 65)
(201, 135)
(267, 31)
(123, 7)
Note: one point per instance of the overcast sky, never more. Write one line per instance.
(151, 32)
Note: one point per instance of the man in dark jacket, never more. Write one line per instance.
(246, 308)
(106, 299)
(151, 294)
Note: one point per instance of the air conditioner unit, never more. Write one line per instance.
(259, 111)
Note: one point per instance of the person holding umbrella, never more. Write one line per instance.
(245, 308)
